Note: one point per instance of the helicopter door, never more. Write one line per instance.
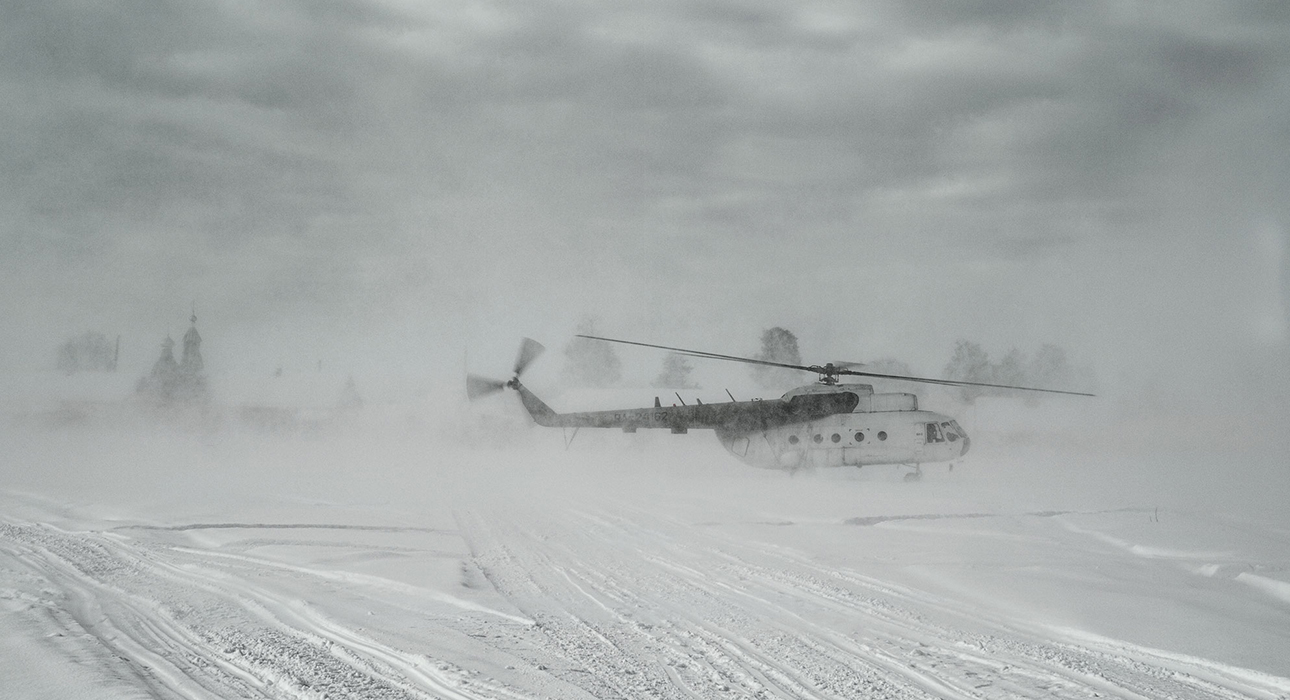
(920, 438)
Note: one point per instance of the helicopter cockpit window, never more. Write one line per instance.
(934, 433)
(949, 432)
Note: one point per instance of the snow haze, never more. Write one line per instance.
(362, 201)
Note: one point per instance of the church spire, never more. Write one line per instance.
(191, 362)
(181, 381)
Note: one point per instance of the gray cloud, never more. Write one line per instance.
(363, 160)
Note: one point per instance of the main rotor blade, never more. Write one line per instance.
(837, 369)
(530, 349)
(955, 382)
(709, 355)
(478, 387)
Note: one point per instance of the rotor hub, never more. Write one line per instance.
(828, 373)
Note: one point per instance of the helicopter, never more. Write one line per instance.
(831, 423)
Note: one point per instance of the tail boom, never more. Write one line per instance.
(743, 416)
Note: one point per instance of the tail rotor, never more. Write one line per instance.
(478, 387)
(530, 350)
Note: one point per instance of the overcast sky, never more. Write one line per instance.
(378, 183)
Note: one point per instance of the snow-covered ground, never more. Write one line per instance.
(138, 563)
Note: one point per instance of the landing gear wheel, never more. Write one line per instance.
(914, 476)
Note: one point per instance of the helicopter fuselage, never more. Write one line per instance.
(852, 440)
(821, 425)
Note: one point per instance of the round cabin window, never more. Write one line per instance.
(792, 440)
(836, 438)
(882, 435)
(818, 439)
(859, 437)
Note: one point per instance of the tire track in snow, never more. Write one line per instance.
(1052, 664)
(356, 648)
(84, 574)
(609, 613)
(281, 526)
(588, 654)
(191, 634)
(771, 656)
(1107, 668)
(767, 623)
(815, 659)
(622, 603)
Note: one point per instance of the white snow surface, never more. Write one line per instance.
(215, 565)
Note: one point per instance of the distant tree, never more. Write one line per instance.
(590, 363)
(676, 373)
(777, 345)
(970, 363)
(890, 365)
(1049, 368)
(88, 352)
(1011, 370)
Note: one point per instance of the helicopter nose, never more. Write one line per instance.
(967, 442)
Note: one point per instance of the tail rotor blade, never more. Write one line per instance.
(479, 387)
(530, 349)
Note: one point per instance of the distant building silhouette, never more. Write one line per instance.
(192, 358)
(181, 381)
(160, 383)
(350, 400)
